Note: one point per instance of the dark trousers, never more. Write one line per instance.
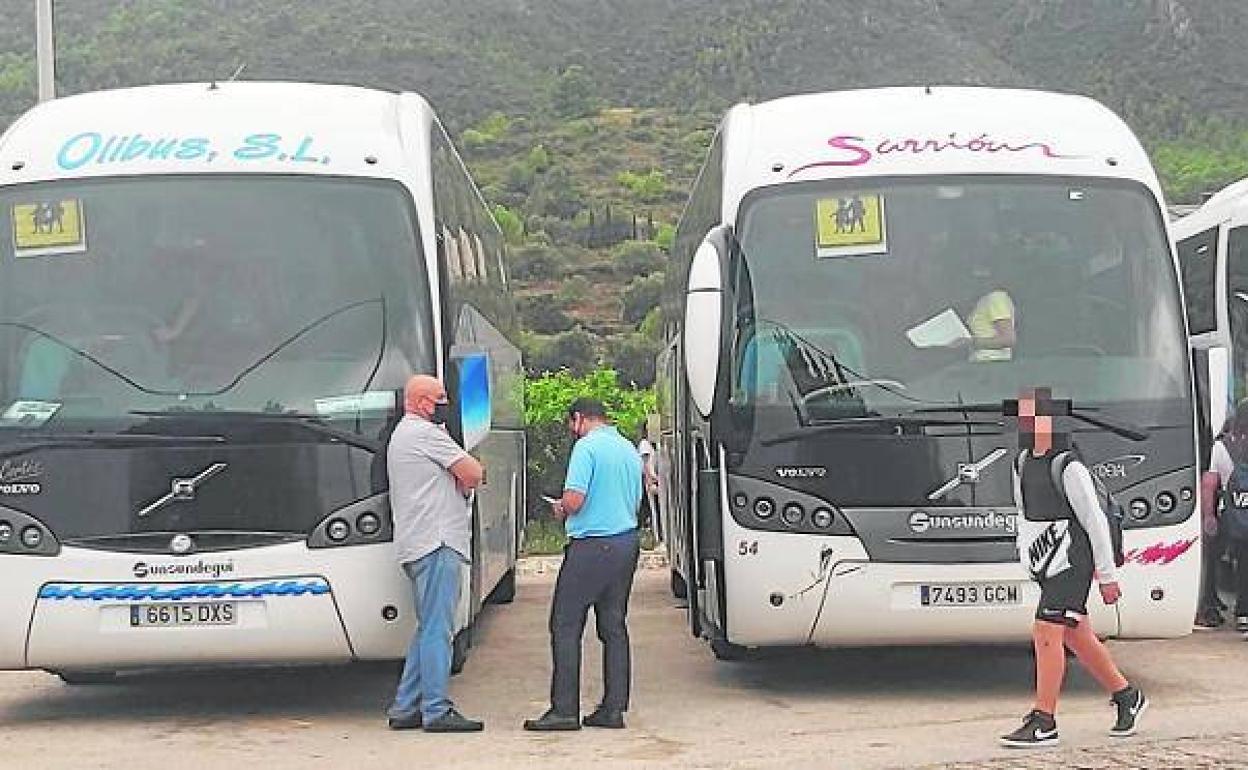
(1239, 550)
(1211, 558)
(597, 572)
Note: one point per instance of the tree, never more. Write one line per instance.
(574, 290)
(638, 258)
(546, 403)
(536, 262)
(575, 350)
(544, 314)
(650, 187)
(633, 357)
(574, 94)
(665, 237)
(510, 223)
(641, 296)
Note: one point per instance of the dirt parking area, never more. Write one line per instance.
(819, 709)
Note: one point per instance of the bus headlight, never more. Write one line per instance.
(368, 524)
(740, 500)
(793, 514)
(764, 508)
(6, 532)
(32, 537)
(822, 518)
(1139, 508)
(1165, 502)
(338, 530)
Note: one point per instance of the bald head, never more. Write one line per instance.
(421, 393)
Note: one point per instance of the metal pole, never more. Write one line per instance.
(45, 50)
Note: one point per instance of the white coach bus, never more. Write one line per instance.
(838, 469)
(210, 297)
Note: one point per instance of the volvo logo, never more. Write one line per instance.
(968, 473)
(801, 472)
(182, 489)
(181, 543)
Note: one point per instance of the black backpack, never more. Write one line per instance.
(1234, 519)
(1113, 511)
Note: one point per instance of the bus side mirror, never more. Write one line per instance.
(704, 304)
(469, 385)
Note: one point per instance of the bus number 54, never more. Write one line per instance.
(747, 548)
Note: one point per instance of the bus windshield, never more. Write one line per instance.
(233, 293)
(882, 297)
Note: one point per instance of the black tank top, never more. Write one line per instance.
(1042, 501)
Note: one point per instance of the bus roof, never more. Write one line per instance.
(1228, 204)
(909, 131)
(229, 127)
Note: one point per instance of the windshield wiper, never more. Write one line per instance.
(313, 423)
(80, 353)
(841, 424)
(32, 443)
(1125, 429)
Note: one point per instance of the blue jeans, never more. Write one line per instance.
(435, 589)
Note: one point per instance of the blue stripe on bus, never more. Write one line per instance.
(126, 591)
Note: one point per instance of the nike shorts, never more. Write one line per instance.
(1064, 597)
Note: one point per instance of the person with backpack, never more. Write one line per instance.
(1229, 462)
(1065, 539)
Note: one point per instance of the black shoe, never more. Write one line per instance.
(605, 717)
(552, 722)
(1131, 705)
(405, 723)
(1241, 624)
(1039, 729)
(454, 722)
(1208, 620)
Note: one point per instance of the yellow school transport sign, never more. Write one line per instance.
(850, 225)
(48, 227)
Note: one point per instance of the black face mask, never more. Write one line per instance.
(441, 413)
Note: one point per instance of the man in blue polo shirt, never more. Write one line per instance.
(599, 509)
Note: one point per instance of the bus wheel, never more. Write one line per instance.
(680, 589)
(725, 650)
(87, 677)
(459, 650)
(505, 591)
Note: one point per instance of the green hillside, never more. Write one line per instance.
(585, 120)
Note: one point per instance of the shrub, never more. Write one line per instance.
(544, 315)
(638, 258)
(649, 187)
(632, 356)
(546, 405)
(575, 350)
(641, 296)
(652, 325)
(510, 223)
(573, 94)
(574, 290)
(665, 237)
(535, 262)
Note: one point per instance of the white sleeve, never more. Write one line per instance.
(1221, 463)
(1081, 493)
(1018, 485)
